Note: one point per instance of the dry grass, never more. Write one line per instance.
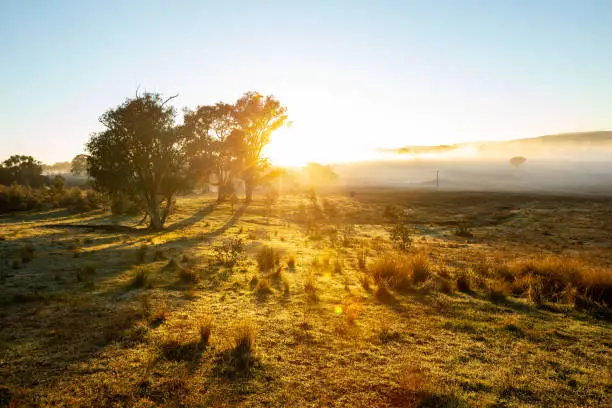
(268, 258)
(401, 271)
(327, 343)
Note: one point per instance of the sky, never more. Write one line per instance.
(354, 75)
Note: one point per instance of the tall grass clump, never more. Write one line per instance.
(243, 345)
(401, 271)
(268, 258)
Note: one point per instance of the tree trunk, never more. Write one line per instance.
(221, 193)
(248, 189)
(155, 222)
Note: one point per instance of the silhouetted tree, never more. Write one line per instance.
(78, 165)
(257, 117)
(141, 152)
(212, 145)
(22, 169)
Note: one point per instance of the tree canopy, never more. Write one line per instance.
(141, 152)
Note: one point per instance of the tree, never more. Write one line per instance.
(141, 152)
(213, 144)
(257, 117)
(22, 169)
(78, 165)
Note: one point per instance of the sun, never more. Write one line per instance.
(295, 147)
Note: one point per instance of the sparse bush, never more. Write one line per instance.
(401, 235)
(230, 252)
(268, 258)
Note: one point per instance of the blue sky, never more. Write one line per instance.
(355, 75)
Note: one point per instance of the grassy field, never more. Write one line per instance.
(496, 301)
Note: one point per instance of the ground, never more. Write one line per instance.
(112, 316)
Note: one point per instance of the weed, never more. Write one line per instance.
(161, 313)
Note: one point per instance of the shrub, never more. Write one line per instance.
(497, 292)
(401, 235)
(268, 258)
(338, 265)
(230, 252)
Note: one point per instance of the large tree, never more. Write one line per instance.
(141, 152)
(212, 145)
(257, 116)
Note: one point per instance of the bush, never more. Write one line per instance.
(263, 286)
(291, 262)
(230, 252)
(463, 229)
(268, 258)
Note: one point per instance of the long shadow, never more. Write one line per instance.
(194, 218)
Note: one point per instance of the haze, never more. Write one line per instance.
(355, 76)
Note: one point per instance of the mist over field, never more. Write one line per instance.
(578, 163)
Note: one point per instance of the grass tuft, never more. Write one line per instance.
(268, 258)
(141, 279)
